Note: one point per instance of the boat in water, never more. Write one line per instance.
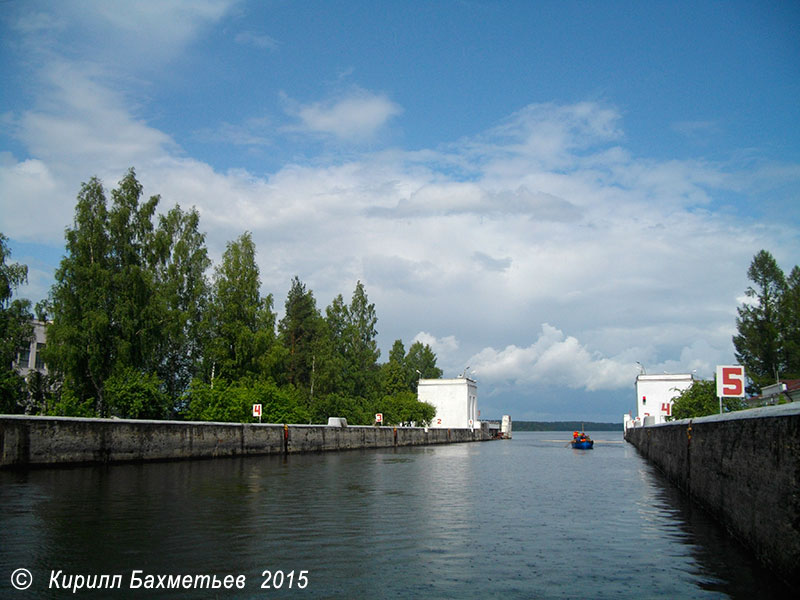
(581, 441)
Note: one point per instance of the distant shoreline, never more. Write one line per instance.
(565, 426)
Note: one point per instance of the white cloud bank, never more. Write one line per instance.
(482, 244)
(554, 359)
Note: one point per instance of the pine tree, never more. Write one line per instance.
(394, 373)
(421, 361)
(790, 325)
(758, 343)
(299, 332)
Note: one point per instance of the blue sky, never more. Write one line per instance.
(545, 191)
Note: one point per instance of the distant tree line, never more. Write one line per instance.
(137, 328)
(565, 426)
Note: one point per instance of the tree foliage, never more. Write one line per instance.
(700, 399)
(135, 395)
(233, 401)
(16, 330)
(790, 324)
(359, 345)
(135, 307)
(299, 332)
(181, 265)
(81, 338)
(403, 408)
(402, 372)
(140, 331)
(395, 376)
(767, 324)
(242, 321)
(421, 363)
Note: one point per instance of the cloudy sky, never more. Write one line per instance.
(547, 192)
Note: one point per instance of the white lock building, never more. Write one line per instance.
(455, 400)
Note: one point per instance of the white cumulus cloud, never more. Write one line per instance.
(554, 359)
(357, 116)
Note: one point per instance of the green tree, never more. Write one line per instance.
(41, 389)
(404, 408)
(402, 371)
(67, 404)
(16, 331)
(299, 332)
(181, 265)
(242, 321)
(360, 346)
(134, 395)
(220, 401)
(700, 399)
(331, 369)
(81, 342)
(758, 343)
(790, 325)
(421, 362)
(357, 410)
(395, 376)
(137, 311)
(233, 402)
(108, 314)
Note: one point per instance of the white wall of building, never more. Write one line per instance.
(655, 393)
(29, 359)
(505, 425)
(455, 401)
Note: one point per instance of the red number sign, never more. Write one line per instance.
(730, 381)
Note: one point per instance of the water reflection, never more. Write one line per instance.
(527, 518)
(721, 563)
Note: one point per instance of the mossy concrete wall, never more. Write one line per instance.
(40, 441)
(744, 468)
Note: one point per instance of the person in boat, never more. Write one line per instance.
(575, 435)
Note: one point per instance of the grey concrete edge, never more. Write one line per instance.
(780, 410)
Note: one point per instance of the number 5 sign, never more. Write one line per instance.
(730, 381)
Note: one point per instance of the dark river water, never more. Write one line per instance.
(523, 518)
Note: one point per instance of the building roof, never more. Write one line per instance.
(665, 377)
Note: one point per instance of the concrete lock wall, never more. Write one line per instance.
(743, 468)
(41, 441)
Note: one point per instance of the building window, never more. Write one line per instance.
(39, 359)
(24, 358)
